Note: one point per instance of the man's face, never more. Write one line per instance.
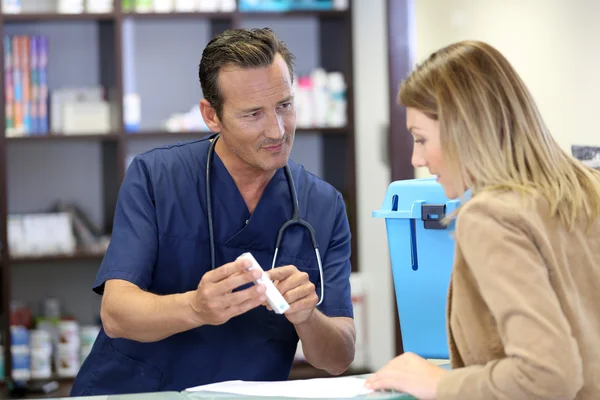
(258, 121)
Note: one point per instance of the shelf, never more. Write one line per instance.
(42, 17)
(159, 134)
(64, 389)
(106, 137)
(180, 15)
(324, 131)
(77, 256)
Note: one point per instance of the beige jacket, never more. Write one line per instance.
(523, 305)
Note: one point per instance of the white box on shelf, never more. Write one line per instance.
(70, 7)
(40, 234)
(88, 117)
(99, 6)
(11, 6)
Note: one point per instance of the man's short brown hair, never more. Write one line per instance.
(244, 48)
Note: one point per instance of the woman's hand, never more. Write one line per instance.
(408, 373)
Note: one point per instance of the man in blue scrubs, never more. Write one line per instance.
(170, 321)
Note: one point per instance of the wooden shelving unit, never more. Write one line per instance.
(59, 258)
(109, 137)
(334, 35)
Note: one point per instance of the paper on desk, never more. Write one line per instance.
(322, 388)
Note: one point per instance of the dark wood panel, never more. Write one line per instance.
(64, 390)
(219, 26)
(5, 276)
(400, 64)
(336, 54)
(400, 141)
(113, 162)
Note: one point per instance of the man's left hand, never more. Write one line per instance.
(408, 373)
(297, 290)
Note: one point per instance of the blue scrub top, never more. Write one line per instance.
(160, 243)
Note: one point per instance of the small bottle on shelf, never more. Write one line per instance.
(336, 113)
(143, 6)
(70, 7)
(163, 6)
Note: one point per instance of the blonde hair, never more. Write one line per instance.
(492, 134)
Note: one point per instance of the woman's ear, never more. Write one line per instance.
(209, 114)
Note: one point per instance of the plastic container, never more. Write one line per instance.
(144, 6)
(68, 333)
(19, 335)
(422, 255)
(67, 360)
(336, 113)
(88, 334)
(41, 363)
(163, 6)
(320, 97)
(21, 363)
(132, 108)
(51, 307)
(40, 339)
(264, 5)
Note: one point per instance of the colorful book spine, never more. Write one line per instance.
(18, 87)
(26, 82)
(8, 85)
(26, 85)
(42, 103)
(35, 86)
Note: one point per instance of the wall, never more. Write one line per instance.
(373, 173)
(551, 43)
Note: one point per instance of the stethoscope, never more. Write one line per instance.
(296, 220)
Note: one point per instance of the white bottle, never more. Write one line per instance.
(11, 6)
(303, 103)
(320, 97)
(228, 5)
(336, 113)
(340, 5)
(132, 112)
(98, 6)
(274, 297)
(207, 5)
(185, 5)
(70, 7)
(143, 6)
(163, 6)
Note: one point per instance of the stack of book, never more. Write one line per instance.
(26, 85)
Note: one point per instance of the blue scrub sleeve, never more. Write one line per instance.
(131, 254)
(337, 268)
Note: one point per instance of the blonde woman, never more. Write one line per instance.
(524, 300)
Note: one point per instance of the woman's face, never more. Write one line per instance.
(427, 151)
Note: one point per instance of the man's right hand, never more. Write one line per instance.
(214, 301)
